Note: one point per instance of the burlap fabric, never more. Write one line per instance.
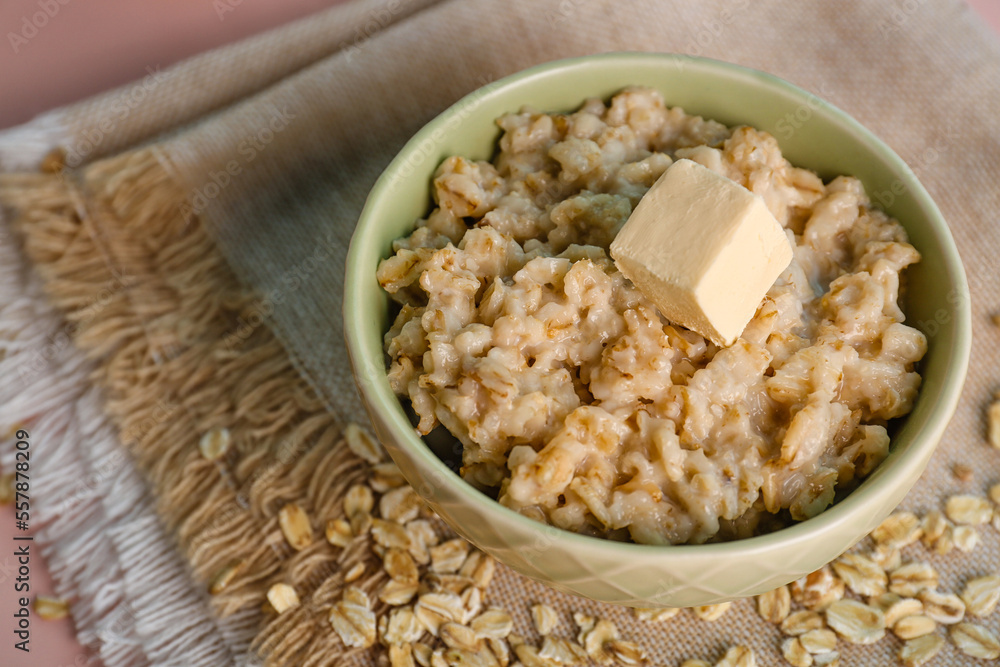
(199, 278)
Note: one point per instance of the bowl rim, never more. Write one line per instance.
(938, 414)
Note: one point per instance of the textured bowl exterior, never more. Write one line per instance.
(812, 134)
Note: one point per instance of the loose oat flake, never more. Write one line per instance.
(898, 530)
(818, 641)
(919, 651)
(802, 621)
(294, 523)
(353, 620)
(282, 597)
(738, 656)
(969, 510)
(975, 640)
(993, 430)
(774, 606)
(214, 444)
(910, 579)
(494, 623)
(544, 618)
(795, 654)
(362, 444)
(655, 614)
(981, 595)
(49, 608)
(944, 608)
(911, 627)
(712, 612)
(861, 574)
(856, 622)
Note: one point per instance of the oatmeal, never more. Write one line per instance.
(577, 404)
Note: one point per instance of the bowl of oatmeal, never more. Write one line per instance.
(547, 410)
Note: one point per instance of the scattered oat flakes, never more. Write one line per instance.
(362, 444)
(449, 606)
(693, 662)
(886, 557)
(399, 565)
(530, 656)
(49, 608)
(975, 640)
(595, 639)
(795, 654)
(449, 556)
(395, 593)
(353, 620)
(774, 606)
(856, 622)
(338, 532)
(899, 529)
(359, 498)
(354, 573)
(818, 590)
(895, 607)
(934, 525)
(472, 602)
(458, 636)
(544, 618)
(802, 621)
(500, 651)
(400, 505)
(993, 429)
(422, 654)
(385, 476)
(479, 567)
(945, 543)
(818, 641)
(653, 615)
(712, 612)
(963, 473)
(389, 534)
(626, 652)
(944, 608)
(981, 595)
(738, 656)
(911, 627)
(401, 627)
(493, 623)
(294, 523)
(919, 651)
(401, 656)
(831, 659)
(910, 579)
(282, 597)
(214, 444)
(968, 510)
(861, 574)
(584, 624)
(562, 651)
(422, 537)
(995, 493)
(966, 538)
(225, 575)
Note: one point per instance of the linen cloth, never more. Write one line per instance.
(312, 112)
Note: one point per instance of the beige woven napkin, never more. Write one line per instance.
(342, 92)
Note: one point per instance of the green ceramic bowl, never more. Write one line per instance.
(812, 134)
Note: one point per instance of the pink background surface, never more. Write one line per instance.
(85, 48)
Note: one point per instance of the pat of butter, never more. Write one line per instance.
(703, 249)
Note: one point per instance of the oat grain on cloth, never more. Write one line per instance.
(153, 257)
